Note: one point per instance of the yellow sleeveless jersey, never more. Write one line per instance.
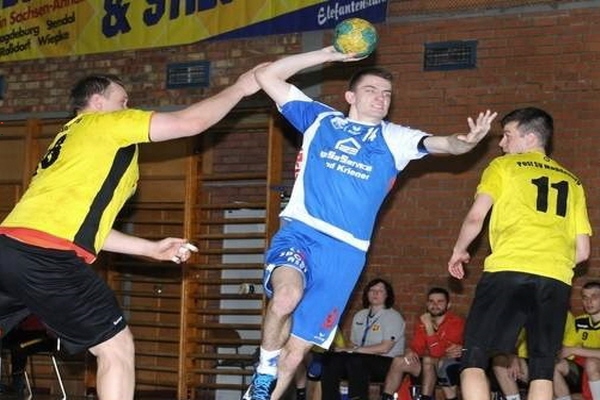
(583, 332)
(539, 208)
(81, 184)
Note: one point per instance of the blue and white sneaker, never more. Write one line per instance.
(261, 387)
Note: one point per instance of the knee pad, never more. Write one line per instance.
(315, 368)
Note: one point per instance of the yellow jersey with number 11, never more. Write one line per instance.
(539, 209)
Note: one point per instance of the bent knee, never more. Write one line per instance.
(285, 299)
(562, 368)
(429, 361)
(120, 345)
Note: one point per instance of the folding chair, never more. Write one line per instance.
(52, 354)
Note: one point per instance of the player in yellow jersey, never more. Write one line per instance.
(538, 231)
(65, 218)
(581, 348)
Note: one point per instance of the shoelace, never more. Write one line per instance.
(262, 387)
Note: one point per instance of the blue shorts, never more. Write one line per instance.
(330, 269)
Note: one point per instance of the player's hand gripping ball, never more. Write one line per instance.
(355, 35)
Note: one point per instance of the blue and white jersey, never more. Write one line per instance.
(346, 170)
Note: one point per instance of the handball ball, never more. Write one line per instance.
(355, 35)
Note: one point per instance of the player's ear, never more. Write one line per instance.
(533, 139)
(96, 102)
(350, 97)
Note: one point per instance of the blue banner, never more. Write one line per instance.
(322, 16)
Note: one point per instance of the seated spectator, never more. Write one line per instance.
(581, 349)
(434, 352)
(377, 336)
(511, 371)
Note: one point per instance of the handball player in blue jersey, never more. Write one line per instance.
(349, 164)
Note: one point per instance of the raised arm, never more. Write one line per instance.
(202, 115)
(460, 143)
(468, 232)
(272, 77)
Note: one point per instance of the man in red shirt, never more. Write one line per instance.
(434, 351)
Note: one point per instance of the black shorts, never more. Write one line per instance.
(61, 289)
(505, 302)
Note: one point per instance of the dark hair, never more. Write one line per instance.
(390, 298)
(439, 290)
(85, 88)
(534, 120)
(591, 285)
(376, 71)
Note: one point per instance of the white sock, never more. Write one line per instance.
(595, 389)
(268, 362)
(564, 398)
(513, 397)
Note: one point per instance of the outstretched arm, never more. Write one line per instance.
(202, 115)
(468, 232)
(462, 143)
(168, 249)
(272, 77)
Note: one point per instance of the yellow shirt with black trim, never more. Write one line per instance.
(539, 209)
(583, 332)
(87, 174)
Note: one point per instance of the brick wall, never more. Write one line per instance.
(39, 86)
(539, 57)
(546, 59)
